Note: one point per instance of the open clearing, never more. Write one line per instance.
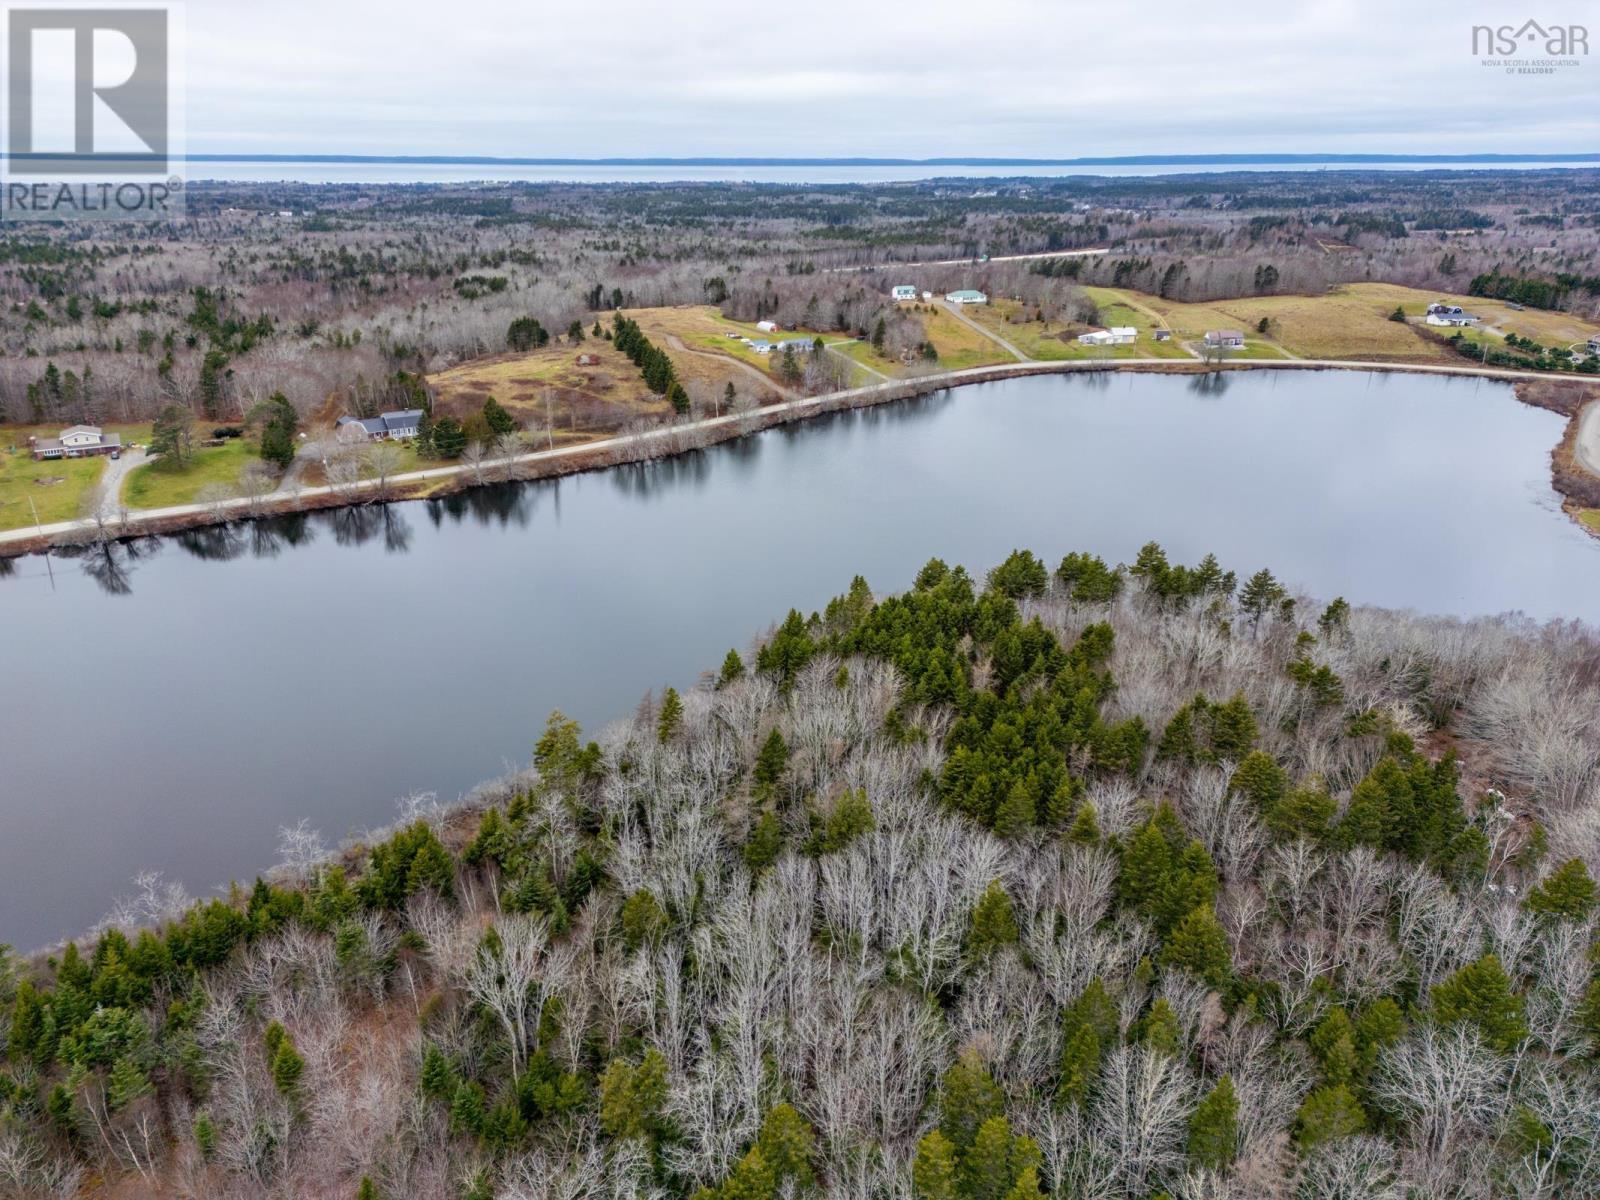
(57, 487)
(550, 383)
(156, 485)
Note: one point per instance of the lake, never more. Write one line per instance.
(169, 706)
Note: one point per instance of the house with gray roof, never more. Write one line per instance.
(389, 426)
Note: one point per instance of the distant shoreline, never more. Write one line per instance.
(1129, 160)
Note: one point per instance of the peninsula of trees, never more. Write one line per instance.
(1071, 881)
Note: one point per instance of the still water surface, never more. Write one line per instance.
(174, 704)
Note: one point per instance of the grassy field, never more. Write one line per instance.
(156, 485)
(57, 488)
(1059, 343)
(959, 345)
(1348, 322)
(1589, 518)
(594, 398)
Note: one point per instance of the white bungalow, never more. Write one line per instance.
(79, 441)
(966, 296)
(1227, 339)
(1453, 318)
(1117, 335)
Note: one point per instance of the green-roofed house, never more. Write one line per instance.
(966, 296)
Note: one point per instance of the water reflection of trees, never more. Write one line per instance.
(111, 564)
(1210, 384)
(214, 543)
(642, 480)
(363, 523)
(503, 504)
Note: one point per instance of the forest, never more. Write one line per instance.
(1148, 880)
(342, 292)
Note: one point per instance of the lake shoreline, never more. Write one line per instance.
(1566, 396)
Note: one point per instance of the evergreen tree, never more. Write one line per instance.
(771, 762)
(205, 1135)
(643, 919)
(933, 1173)
(1015, 815)
(1566, 894)
(449, 438)
(632, 1098)
(1214, 1127)
(287, 1067)
(1261, 595)
(786, 1142)
(732, 668)
(968, 1097)
(764, 844)
(993, 922)
(437, 1078)
(1089, 1026)
(1085, 828)
(986, 1166)
(1161, 1031)
(1481, 994)
(1199, 945)
(1328, 1113)
(752, 1178)
(367, 1190)
(670, 718)
(497, 418)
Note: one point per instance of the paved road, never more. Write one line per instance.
(794, 409)
(1588, 448)
(955, 311)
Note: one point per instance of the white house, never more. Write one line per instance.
(767, 326)
(1227, 339)
(902, 293)
(966, 296)
(760, 347)
(1594, 344)
(394, 426)
(80, 441)
(1453, 317)
(1117, 335)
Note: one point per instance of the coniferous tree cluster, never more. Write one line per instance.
(913, 901)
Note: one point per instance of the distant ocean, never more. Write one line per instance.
(354, 169)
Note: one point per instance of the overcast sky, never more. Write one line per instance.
(1042, 78)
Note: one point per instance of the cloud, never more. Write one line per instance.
(842, 77)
